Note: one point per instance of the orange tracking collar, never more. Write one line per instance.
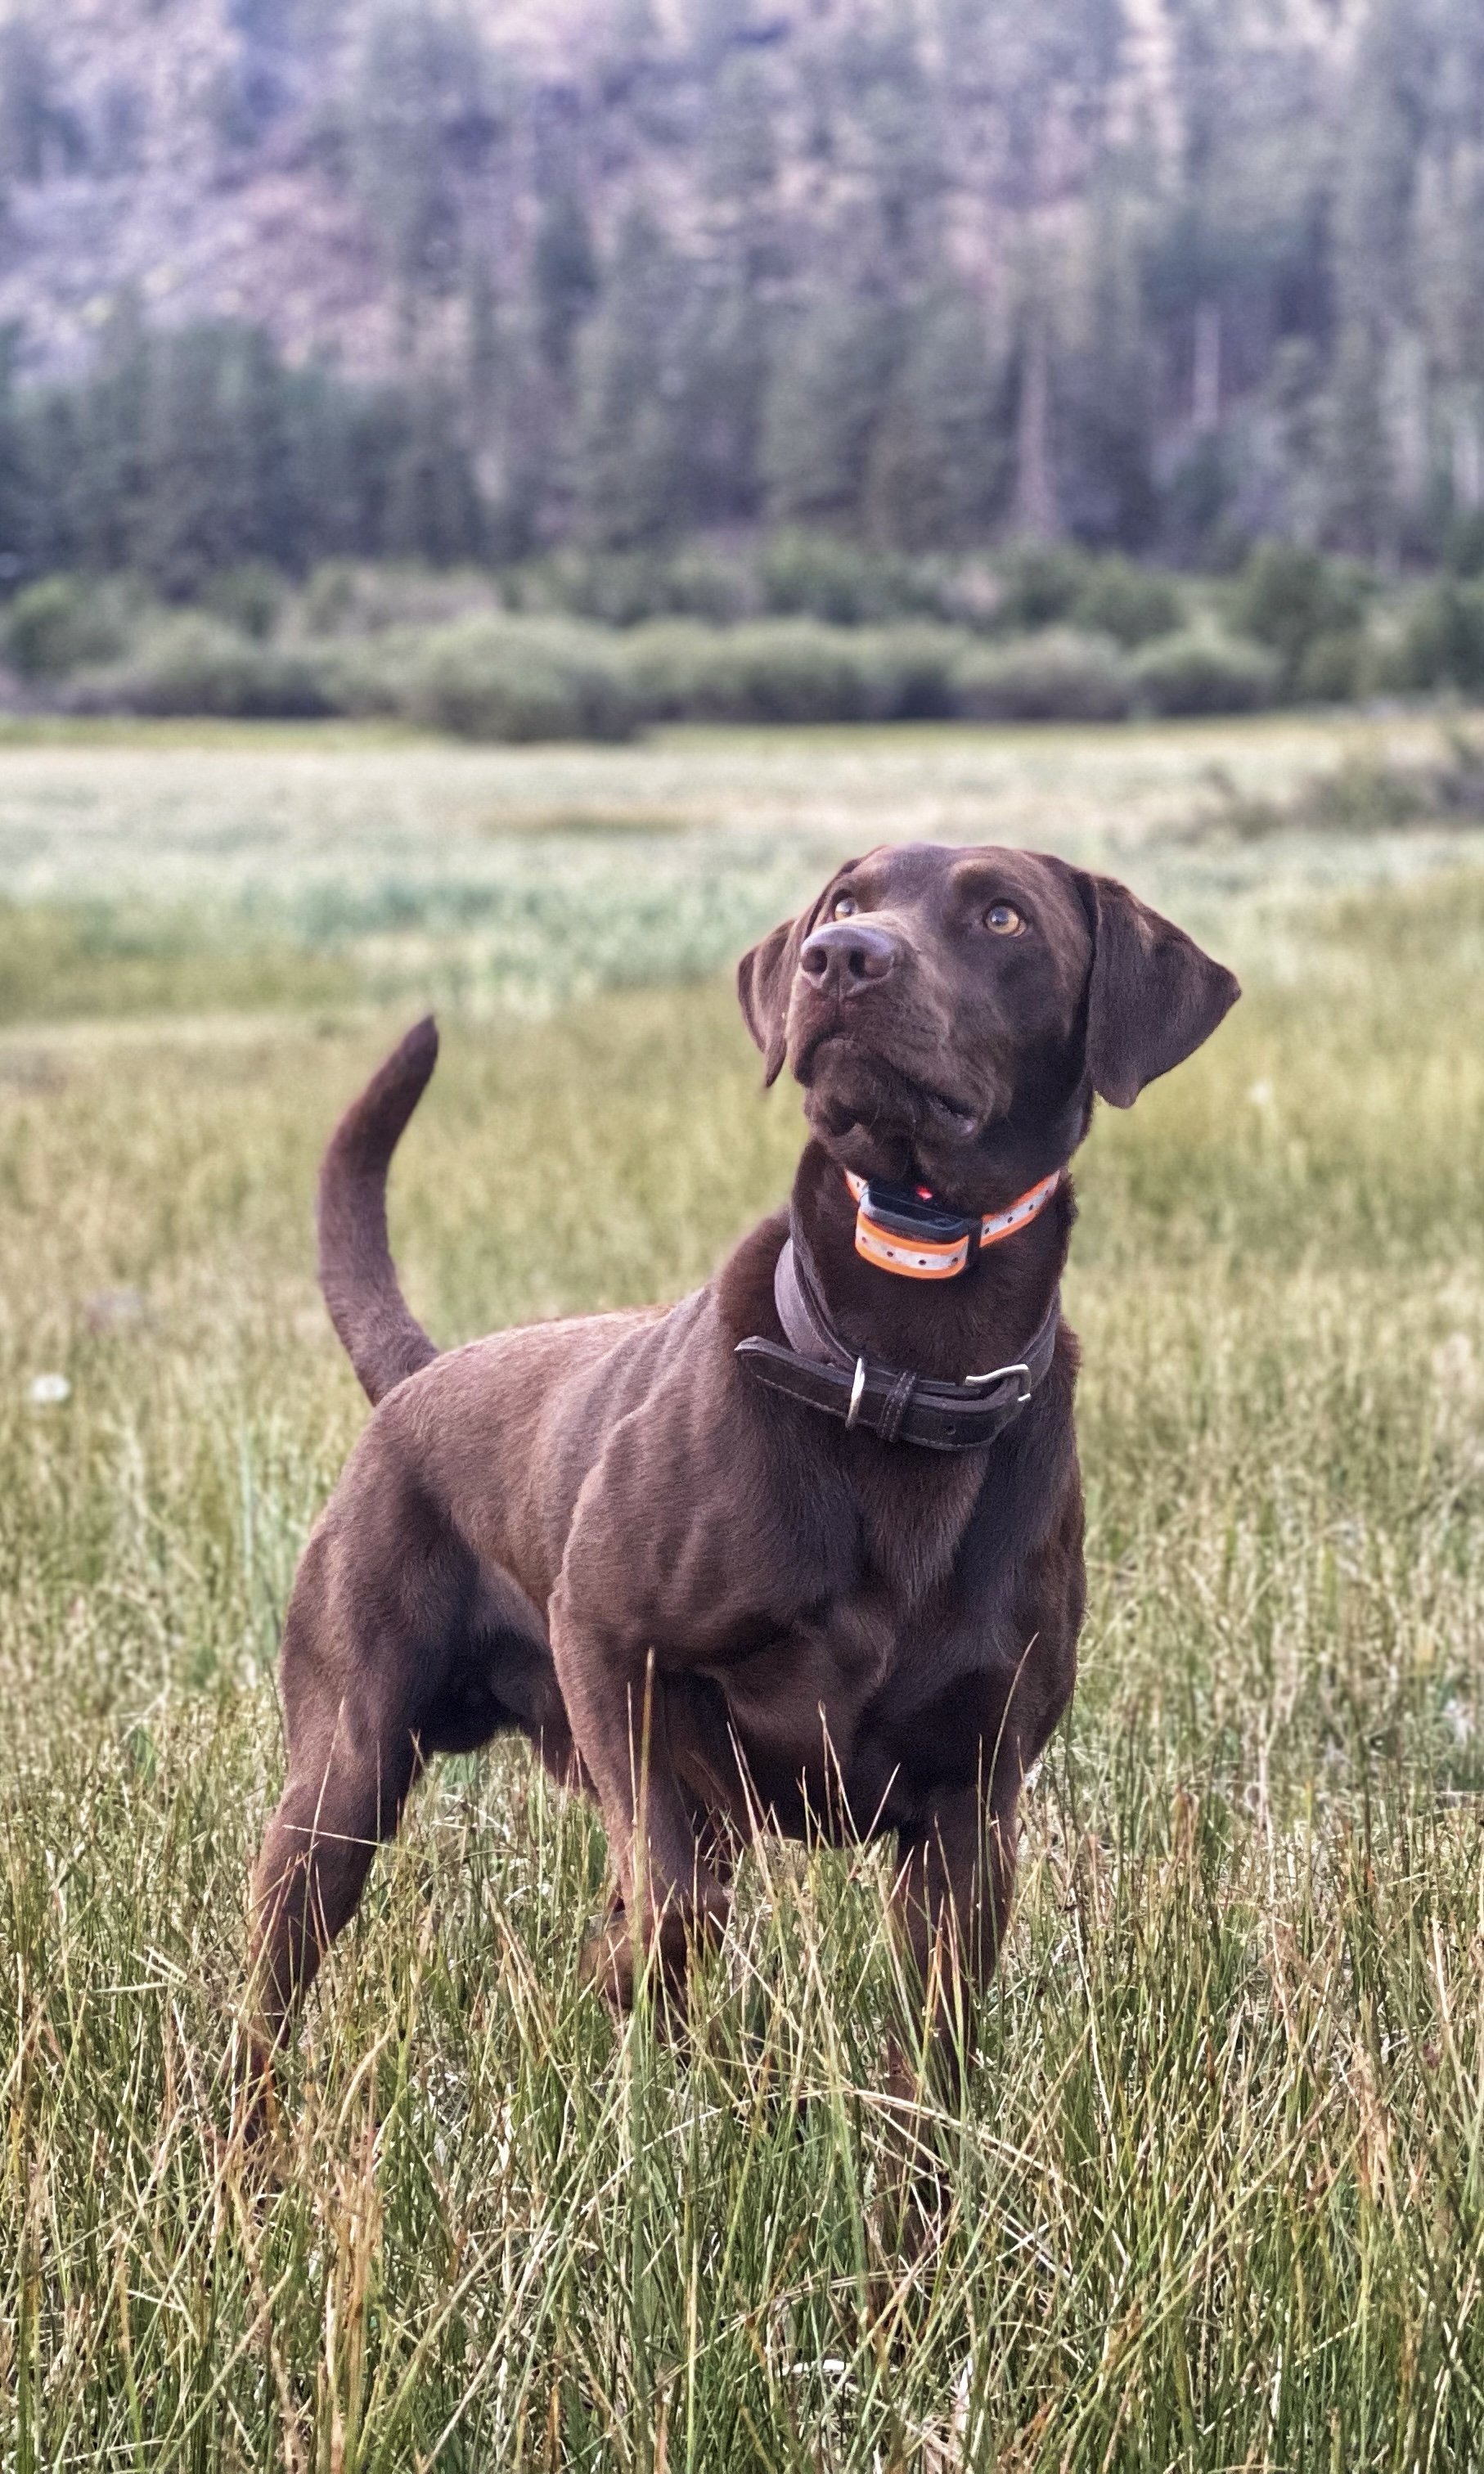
(901, 1229)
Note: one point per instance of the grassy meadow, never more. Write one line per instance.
(1214, 2197)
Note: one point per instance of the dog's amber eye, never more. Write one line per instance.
(843, 907)
(1004, 919)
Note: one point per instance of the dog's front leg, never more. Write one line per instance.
(665, 1894)
(951, 1903)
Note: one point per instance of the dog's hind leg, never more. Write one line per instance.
(344, 1794)
(398, 1644)
(374, 1648)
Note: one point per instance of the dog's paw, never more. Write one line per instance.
(611, 1963)
(607, 1961)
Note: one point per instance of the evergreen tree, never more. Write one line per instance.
(886, 100)
(828, 389)
(1386, 126)
(720, 359)
(564, 278)
(1359, 513)
(484, 359)
(432, 505)
(726, 347)
(108, 482)
(17, 488)
(938, 465)
(633, 485)
(420, 103)
(1109, 486)
(335, 467)
(210, 447)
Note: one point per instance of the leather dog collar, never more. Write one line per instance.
(822, 1368)
(902, 1229)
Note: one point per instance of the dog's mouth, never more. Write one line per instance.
(952, 1114)
(853, 1087)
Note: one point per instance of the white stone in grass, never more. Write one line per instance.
(945, 2451)
(1456, 1366)
(49, 1391)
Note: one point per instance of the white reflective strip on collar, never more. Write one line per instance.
(994, 1224)
(898, 1254)
(999, 1223)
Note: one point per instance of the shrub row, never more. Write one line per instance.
(801, 574)
(1062, 676)
(798, 627)
(572, 649)
(194, 663)
(495, 677)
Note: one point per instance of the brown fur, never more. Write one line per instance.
(701, 1600)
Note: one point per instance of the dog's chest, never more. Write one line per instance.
(914, 1510)
(798, 1700)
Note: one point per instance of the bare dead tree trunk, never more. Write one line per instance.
(1407, 388)
(1467, 458)
(1037, 511)
(1205, 375)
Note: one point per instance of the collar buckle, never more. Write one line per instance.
(856, 1394)
(1020, 1366)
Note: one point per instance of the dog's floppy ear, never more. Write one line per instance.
(1153, 997)
(764, 977)
(764, 980)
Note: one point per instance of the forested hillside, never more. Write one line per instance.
(287, 278)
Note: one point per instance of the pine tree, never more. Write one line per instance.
(1386, 126)
(1359, 511)
(726, 347)
(828, 389)
(564, 278)
(889, 103)
(421, 86)
(483, 356)
(109, 481)
(321, 427)
(17, 489)
(1111, 491)
(215, 483)
(432, 505)
(633, 484)
(937, 466)
(741, 163)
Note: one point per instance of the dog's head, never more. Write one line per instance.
(950, 1012)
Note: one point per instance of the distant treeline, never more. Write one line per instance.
(1163, 279)
(186, 453)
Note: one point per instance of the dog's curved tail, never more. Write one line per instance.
(383, 1338)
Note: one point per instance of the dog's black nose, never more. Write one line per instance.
(846, 956)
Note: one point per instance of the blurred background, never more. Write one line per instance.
(457, 375)
(717, 308)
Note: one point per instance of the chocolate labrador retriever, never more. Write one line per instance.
(803, 1549)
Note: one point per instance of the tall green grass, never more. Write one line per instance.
(1214, 2196)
